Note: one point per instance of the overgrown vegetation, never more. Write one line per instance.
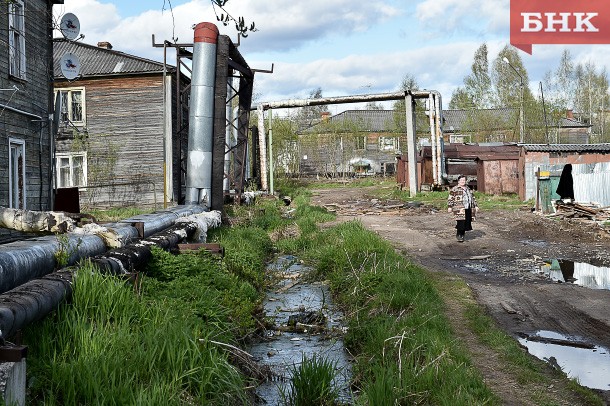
(153, 343)
(157, 342)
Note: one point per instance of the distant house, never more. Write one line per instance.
(502, 125)
(25, 103)
(119, 139)
(355, 142)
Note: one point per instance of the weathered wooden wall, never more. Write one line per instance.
(124, 142)
(33, 98)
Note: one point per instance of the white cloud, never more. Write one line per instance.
(470, 16)
(435, 68)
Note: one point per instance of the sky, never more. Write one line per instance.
(344, 47)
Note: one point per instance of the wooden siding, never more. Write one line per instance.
(33, 97)
(124, 141)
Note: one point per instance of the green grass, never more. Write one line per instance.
(153, 343)
(404, 349)
(312, 383)
(110, 346)
(116, 214)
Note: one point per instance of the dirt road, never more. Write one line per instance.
(500, 260)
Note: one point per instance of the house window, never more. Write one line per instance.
(16, 38)
(361, 142)
(72, 106)
(388, 143)
(16, 174)
(71, 169)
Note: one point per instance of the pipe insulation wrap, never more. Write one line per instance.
(22, 261)
(201, 115)
(32, 301)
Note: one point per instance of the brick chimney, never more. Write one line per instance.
(104, 44)
(570, 114)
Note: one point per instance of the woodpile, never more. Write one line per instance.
(575, 210)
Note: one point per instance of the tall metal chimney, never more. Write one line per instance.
(201, 116)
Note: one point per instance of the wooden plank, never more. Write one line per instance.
(213, 248)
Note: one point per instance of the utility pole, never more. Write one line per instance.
(521, 121)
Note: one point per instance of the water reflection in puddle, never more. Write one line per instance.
(283, 351)
(579, 273)
(591, 366)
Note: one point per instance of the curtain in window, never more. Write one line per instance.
(64, 172)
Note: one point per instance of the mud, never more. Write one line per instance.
(501, 260)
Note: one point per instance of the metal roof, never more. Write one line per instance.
(453, 120)
(367, 120)
(96, 61)
(605, 148)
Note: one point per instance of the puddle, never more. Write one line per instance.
(591, 366)
(579, 273)
(281, 351)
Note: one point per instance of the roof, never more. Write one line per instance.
(96, 61)
(605, 148)
(453, 120)
(367, 120)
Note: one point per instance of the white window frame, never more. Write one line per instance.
(68, 109)
(16, 39)
(361, 142)
(12, 174)
(385, 145)
(70, 156)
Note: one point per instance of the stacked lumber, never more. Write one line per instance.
(576, 210)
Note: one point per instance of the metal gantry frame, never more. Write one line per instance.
(409, 96)
(232, 102)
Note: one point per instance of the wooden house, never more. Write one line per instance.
(119, 139)
(25, 102)
(502, 125)
(354, 142)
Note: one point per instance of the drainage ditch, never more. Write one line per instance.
(304, 323)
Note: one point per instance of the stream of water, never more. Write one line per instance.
(282, 351)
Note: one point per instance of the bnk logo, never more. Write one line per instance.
(559, 22)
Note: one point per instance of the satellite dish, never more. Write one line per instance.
(69, 26)
(70, 66)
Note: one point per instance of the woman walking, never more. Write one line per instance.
(463, 205)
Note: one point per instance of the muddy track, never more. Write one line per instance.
(499, 260)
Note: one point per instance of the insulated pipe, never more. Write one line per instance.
(432, 136)
(439, 140)
(201, 116)
(262, 145)
(32, 301)
(22, 261)
(36, 298)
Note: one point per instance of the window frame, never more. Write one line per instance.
(361, 142)
(70, 156)
(16, 39)
(16, 142)
(69, 108)
(385, 146)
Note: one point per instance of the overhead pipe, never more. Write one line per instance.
(201, 116)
